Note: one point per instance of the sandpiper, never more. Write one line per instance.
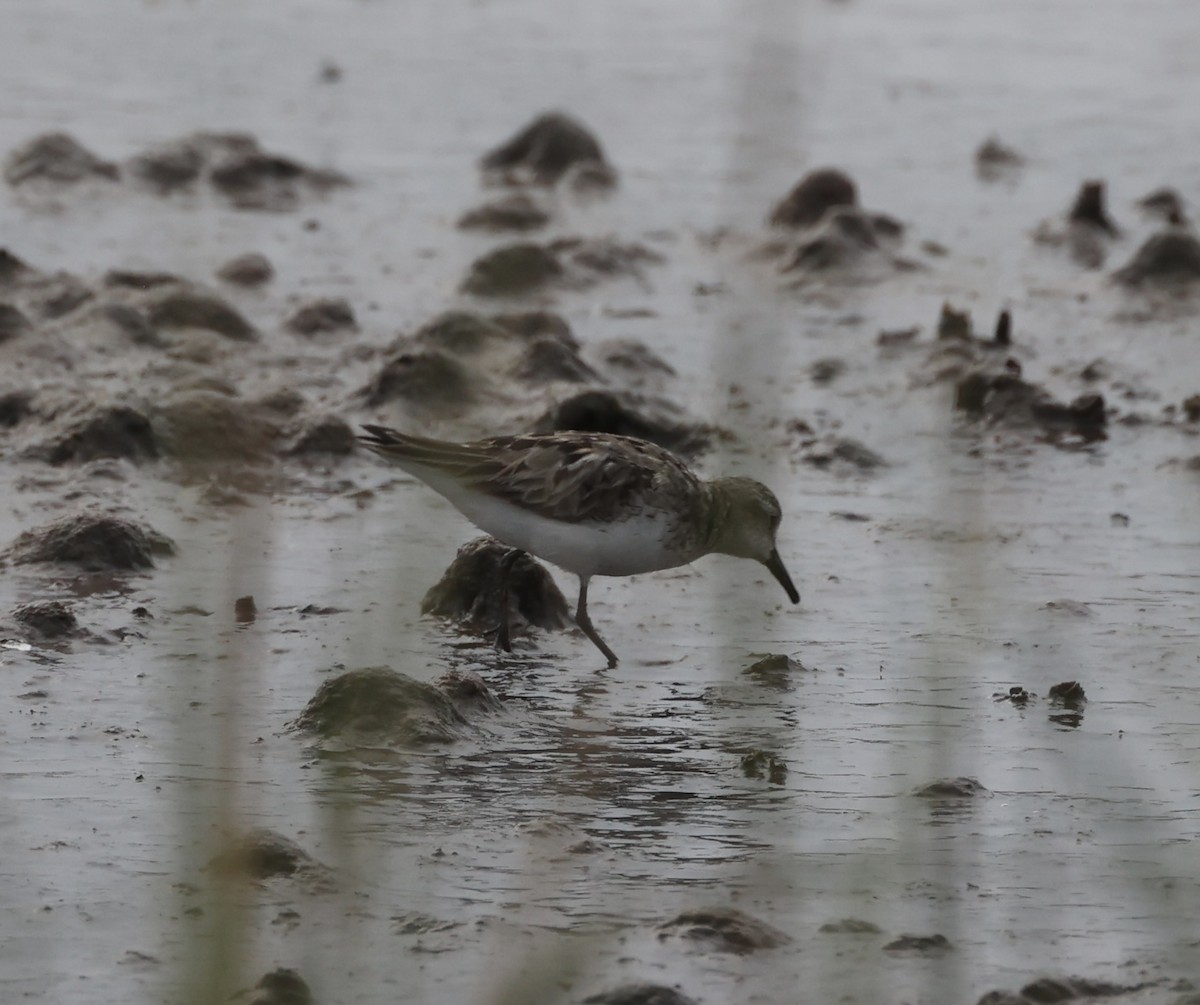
(593, 504)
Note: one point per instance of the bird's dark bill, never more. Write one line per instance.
(775, 565)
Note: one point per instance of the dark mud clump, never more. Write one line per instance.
(758, 764)
(282, 986)
(193, 309)
(1004, 398)
(919, 945)
(840, 454)
(1087, 230)
(431, 379)
(845, 238)
(548, 358)
(94, 541)
(12, 322)
(329, 314)
(236, 167)
(724, 930)
(546, 150)
(518, 211)
(625, 413)
(514, 270)
(327, 435)
(850, 926)
(774, 670)
(206, 426)
(600, 258)
(47, 619)
(1165, 204)
(264, 854)
(639, 994)
(457, 332)
(377, 705)
(112, 431)
(1061, 989)
(250, 269)
(814, 195)
(1168, 258)
(470, 694)
(1090, 207)
(995, 160)
(472, 591)
(15, 408)
(953, 788)
(57, 158)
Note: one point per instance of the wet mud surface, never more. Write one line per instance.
(259, 742)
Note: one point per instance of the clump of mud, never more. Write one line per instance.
(250, 269)
(575, 263)
(282, 986)
(56, 158)
(639, 994)
(724, 930)
(48, 620)
(551, 147)
(627, 413)
(429, 379)
(116, 431)
(1170, 258)
(193, 308)
(514, 270)
(262, 854)
(328, 314)
(378, 706)
(1003, 398)
(953, 788)
(1166, 204)
(1062, 989)
(95, 541)
(1087, 229)
(850, 926)
(919, 945)
(996, 160)
(518, 211)
(236, 167)
(208, 426)
(480, 585)
(233, 165)
(814, 195)
(322, 435)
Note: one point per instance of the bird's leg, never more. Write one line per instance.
(503, 631)
(585, 624)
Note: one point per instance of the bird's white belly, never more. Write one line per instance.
(587, 549)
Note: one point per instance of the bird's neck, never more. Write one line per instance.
(717, 508)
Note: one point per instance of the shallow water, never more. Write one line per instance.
(987, 560)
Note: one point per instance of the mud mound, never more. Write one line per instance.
(47, 619)
(627, 413)
(282, 986)
(815, 194)
(263, 854)
(846, 238)
(546, 150)
(377, 705)
(323, 435)
(1003, 398)
(1087, 229)
(187, 308)
(236, 167)
(995, 160)
(328, 314)
(108, 431)
(209, 426)
(429, 379)
(94, 541)
(1168, 258)
(724, 930)
(57, 158)
(518, 211)
(472, 591)
(639, 994)
(514, 270)
(548, 359)
(250, 269)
